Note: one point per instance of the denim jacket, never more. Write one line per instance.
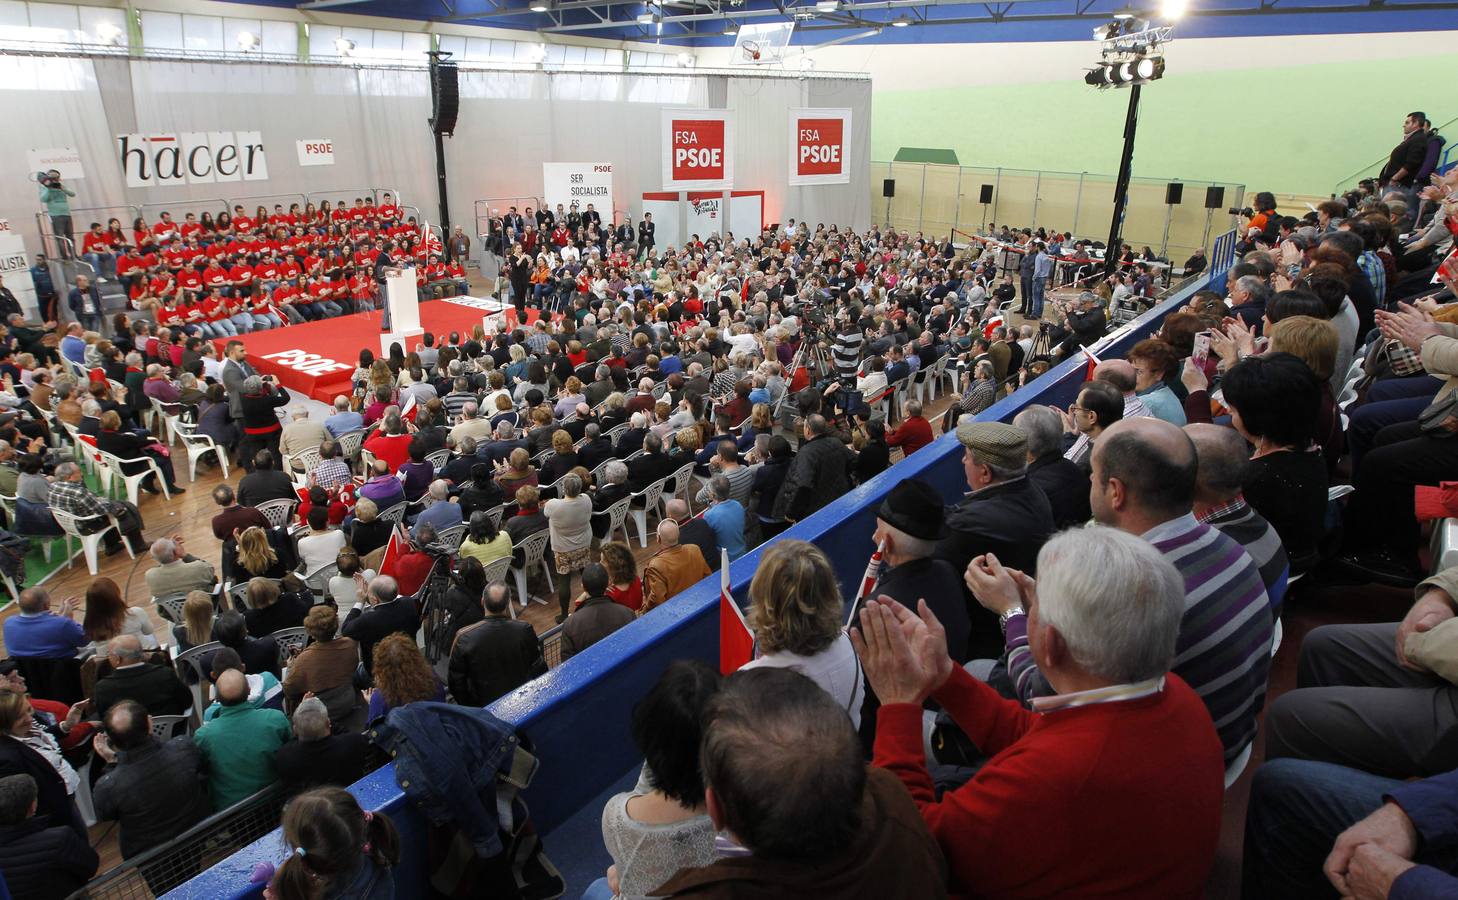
(448, 761)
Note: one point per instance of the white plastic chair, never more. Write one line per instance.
(89, 542)
(617, 431)
(290, 641)
(681, 481)
(497, 570)
(650, 495)
(439, 458)
(134, 482)
(169, 607)
(395, 514)
(496, 512)
(308, 457)
(350, 443)
(449, 539)
(278, 512)
(164, 727)
(198, 446)
(318, 581)
(617, 516)
(533, 554)
(192, 658)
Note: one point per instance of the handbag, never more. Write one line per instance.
(1431, 420)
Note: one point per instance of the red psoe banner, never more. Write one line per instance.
(698, 149)
(820, 146)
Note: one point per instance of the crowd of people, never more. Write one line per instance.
(706, 398)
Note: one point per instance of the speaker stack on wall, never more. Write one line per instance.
(446, 95)
(1215, 196)
(985, 194)
(888, 188)
(1174, 192)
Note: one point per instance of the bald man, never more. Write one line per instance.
(672, 569)
(1120, 373)
(239, 744)
(156, 687)
(695, 531)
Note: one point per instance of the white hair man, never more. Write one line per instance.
(299, 435)
(177, 572)
(442, 513)
(1105, 636)
(471, 425)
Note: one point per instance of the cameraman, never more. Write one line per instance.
(57, 198)
(1081, 325)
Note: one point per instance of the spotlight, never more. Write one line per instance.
(1105, 32)
(900, 22)
(729, 29)
(1123, 73)
(1149, 68)
(827, 5)
(1097, 77)
(685, 60)
(539, 6)
(343, 46)
(247, 40)
(1173, 9)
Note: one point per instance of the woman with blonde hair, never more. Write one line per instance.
(198, 616)
(797, 616)
(256, 556)
(368, 533)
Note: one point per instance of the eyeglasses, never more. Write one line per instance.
(1080, 409)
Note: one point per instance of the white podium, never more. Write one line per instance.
(404, 307)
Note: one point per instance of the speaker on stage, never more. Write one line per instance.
(1215, 196)
(445, 93)
(985, 194)
(1174, 192)
(888, 187)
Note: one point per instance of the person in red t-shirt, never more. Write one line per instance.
(165, 230)
(131, 269)
(240, 278)
(259, 307)
(284, 303)
(194, 317)
(188, 279)
(215, 311)
(215, 275)
(321, 294)
(170, 315)
(362, 290)
(457, 274)
(96, 249)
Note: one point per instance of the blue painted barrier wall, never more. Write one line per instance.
(577, 715)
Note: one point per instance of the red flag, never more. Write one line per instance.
(393, 551)
(1093, 363)
(873, 574)
(736, 641)
(281, 317)
(410, 410)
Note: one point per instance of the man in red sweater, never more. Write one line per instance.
(914, 433)
(1109, 788)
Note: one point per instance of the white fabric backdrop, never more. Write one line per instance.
(509, 123)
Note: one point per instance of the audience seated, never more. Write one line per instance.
(495, 655)
(177, 572)
(671, 569)
(318, 756)
(35, 631)
(39, 858)
(1061, 481)
(325, 668)
(594, 616)
(384, 612)
(156, 687)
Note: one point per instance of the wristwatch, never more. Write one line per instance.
(1008, 614)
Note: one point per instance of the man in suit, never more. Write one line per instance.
(646, 231)
(265, 482)
(236, 370)
(597, 450)
(157, 688)
(316, 757)
(652, 465)
(151, 788)
(591, 217)
(85, 303)
(494, 656)
(383, 613)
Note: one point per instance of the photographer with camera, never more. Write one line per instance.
(1081, 322)
(1261, 222)
(57, 198)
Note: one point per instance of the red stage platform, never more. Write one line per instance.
(317, 358)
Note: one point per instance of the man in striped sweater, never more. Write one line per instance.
(1144, 483)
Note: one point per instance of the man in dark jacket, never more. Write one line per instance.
(597, 450)
(151, 788)
(494, 656)
(1061, 481)
(317, 757)
(1005, 514)
(383, 613)
(652, 465)
(156, 688)
(1408, 156)
(595, 617)
(819, 473)
(41, 860)
(265, 482)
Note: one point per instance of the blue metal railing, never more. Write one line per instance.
(577, 715)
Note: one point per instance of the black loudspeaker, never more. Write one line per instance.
(985, 194)
(888, 187)
(1215, 196)
(446, 94)
(1174, 192)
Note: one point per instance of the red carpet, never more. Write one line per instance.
(317, 358)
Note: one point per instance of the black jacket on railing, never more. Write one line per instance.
(493, 657)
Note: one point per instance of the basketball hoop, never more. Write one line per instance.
(751, 50)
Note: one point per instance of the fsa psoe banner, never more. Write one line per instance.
(697, 149)
(820, 146)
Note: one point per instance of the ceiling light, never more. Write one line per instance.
(1125, 13)
(685, 60)
(247, 40)
(729, 29)
(539, 6)
(900, 22)
(343, 46)
(648, 16)
(1173, 9)
(827, 5)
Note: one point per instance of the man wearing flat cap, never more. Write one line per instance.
(909, 523)
(1004, 513)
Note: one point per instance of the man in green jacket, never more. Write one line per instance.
(57, 198)
(239, 744)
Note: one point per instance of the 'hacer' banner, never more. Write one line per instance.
(698, 149)
(820, 146)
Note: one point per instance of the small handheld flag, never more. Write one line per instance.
(736, 641)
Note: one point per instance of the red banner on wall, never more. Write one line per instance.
(697, 149)
(820, 146)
